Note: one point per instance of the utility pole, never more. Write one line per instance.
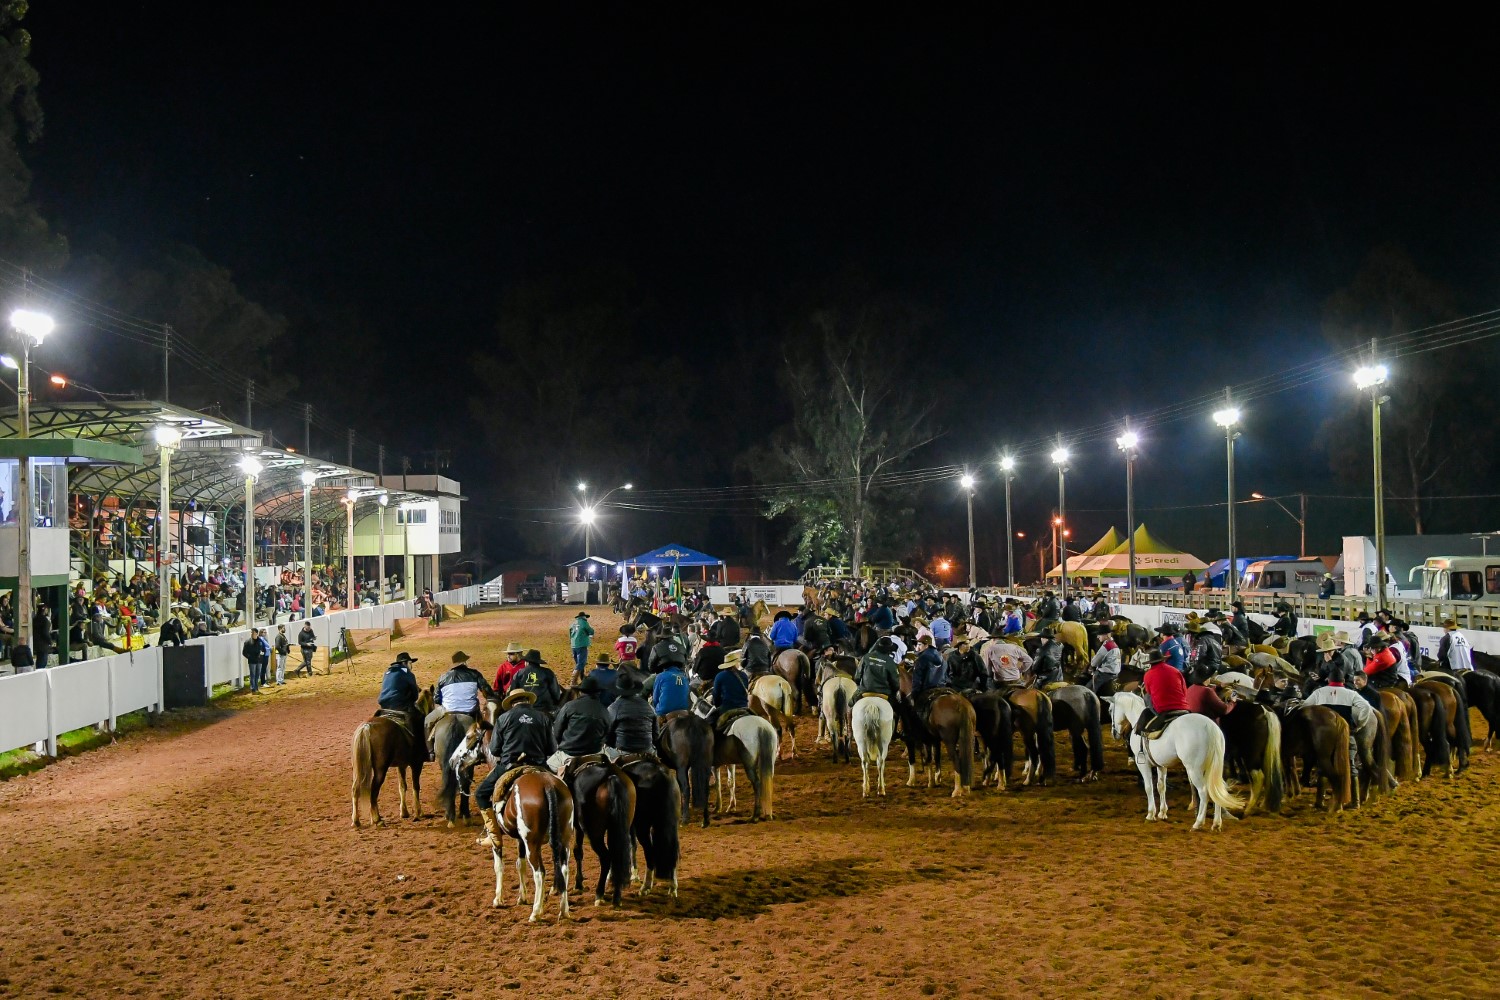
(166, 363)
(307, 429)
(350, 463)
(250, 403)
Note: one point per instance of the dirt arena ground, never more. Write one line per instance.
(214, 858)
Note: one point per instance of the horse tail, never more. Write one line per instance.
(621, 813)
(1096, 734)
(557, 836)
(1046, 748)
(762, 755)
(362, 761)
(1382, 753)
(1438, 735)
(963, 750)
(1341, 764)
(1461, 722)
(842, 720)
(1213, 776)
(1271, 763)
(665, 835)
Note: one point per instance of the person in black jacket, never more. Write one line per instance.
(706, 663)
(725, 631)
(43, 639)
(632, 723)
(539, 680)
(580, 725)
(173, 631)
(522, 736)
(1046, 667)
(965, 671)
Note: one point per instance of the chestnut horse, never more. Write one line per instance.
(794, 666)
(537, 806)
(949, 720)
(1401, 723)
(1320, 736)
(1449, 690)
(1031, 711)
(380, 744)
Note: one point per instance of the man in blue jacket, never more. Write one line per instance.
(882, 617)
(731, 690)
(1172, 647)
(783, 632)
(669, 692)
(929, 671)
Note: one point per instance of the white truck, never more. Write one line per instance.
(1283, 576)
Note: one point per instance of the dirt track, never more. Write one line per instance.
(219, 862)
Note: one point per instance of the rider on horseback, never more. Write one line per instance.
(757, 656)
(877, 673)
(731, 691)
(1047, 667)
(458, 693)
(965, 671)
(929, 672)
(632, 723)
(522, 738)
(398, 694)
(1166, 694)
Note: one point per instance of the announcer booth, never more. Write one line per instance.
(587, 580)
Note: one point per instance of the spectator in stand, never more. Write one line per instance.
(43, 639)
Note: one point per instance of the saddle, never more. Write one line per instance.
(729, 718)
(502, 787)
(1157, 724)
(1438, 675)
(626, 759)
(576, 764)
(925, 700)
(1051, 686)
(402, 718)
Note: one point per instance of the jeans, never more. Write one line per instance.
(254, 675)
(580, 659)
(42, 657)
(280, 667)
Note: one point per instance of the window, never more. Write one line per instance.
(1492, 579)
(1467, 585)
(1435, 585)
(411, 516)
(1273, 579)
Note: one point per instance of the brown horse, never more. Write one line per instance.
(537, 811)
(1320, 736)
(1432, 729)
(1456, 707)
(993, 725)
(380, 744)
(604, 810)
(1401, 723)
(796, 668)
(1031, 711)
(949, 721)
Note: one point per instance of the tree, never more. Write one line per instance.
(1438, 422)
(856, 418)
(25, 238)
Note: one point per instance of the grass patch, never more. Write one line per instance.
(24, 761)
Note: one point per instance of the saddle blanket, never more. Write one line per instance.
(729, 718)
(1158, 724)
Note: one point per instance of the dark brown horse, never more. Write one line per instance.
(380, 744)
(1031, 711)
(537, 811)
(603, 810)
(686, 744)
(949, 720)
(794, 666)
(658, 810)
(1482, 689)
(1320, 736)
(993, 726)
(1432, 729)
(1456, 707)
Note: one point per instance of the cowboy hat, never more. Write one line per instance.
(1156, 656)
(459, 657)
(581, 614)
(1327, 642)
(1343, 638)
(519, 694)
(602, 660)
(405, 657)
(514, 647)
(534, 657)
(1170, 628)
(589, 685)
(1450, 623)
(733, 657)
(1209, 627)
(628, 682)
(782, 614)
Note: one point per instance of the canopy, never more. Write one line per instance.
(1104, 545)
(673, 555)
(1152, 558)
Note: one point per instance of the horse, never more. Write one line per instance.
(658, 810)
(835, 696)
(1432, 728)
(604, 801)
(1252, 736)
(1031, 711)
(864, 635)
(1192, 740)
(794, 665)
(454, 777)
(994, 727)
(1074, 636)
(1450, 691)
(873, 722)
(537, 805)
(1482, 690)
(1401, 724)
(1077, 708)
(811, 598)
(380, 744)
(686, 744)
(1320, 736)
(949, 720)
(775, 706)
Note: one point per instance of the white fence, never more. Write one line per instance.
(39, 706)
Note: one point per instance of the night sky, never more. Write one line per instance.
(1104, 219)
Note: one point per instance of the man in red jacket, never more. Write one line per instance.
(1165, 692)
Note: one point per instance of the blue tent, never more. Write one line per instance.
(1214, 575)
(673, 555)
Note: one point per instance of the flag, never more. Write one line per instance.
(677, 583)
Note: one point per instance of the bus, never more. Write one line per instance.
(1461, 579)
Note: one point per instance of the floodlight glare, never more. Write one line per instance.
(1227, 417)
(587, 515)
(31, 324)
(167, 436)
(967, 481)
(250, 466)
(1370, 375)
(1128, 441)
(1007, 464)
(384, 499)
(309, 478)
(1060, 456)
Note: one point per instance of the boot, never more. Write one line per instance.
(492, 832)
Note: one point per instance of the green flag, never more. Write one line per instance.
(677, 583)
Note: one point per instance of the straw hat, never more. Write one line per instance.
(1327, 642)
(515, 697)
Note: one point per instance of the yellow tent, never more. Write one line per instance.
(1152, 558)
(1111, 541)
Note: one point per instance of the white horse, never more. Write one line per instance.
(834, 699)
(873, 722)
(1193, 741)
(754, 748)
(775, 691)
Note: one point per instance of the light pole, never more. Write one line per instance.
(1372, 377)
(1008, 466)
(384, 499)
(1301, 521)
(33, 328)
(1128, 442)
(349, 500)
(1060, 459)
(1228, 418)
(309, 477)
(251, 467)
(590, 512)
(167, 438)
(967, 482)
